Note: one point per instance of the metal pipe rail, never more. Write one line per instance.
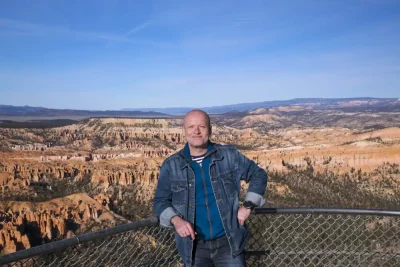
(312, 210)
(76, 240)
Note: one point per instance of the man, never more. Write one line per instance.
(198, 194)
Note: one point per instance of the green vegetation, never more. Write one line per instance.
(98, 142)
(127, 205)
(4, 147)
(36, 123)
(329, 189)
(348, 143)
(374, 139)
(51, 188)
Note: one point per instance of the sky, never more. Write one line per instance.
(110, 55)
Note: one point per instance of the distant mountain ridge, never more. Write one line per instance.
(382, 104)
(8, 110)
(345, 104)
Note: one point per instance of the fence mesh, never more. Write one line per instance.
(275, 240)
(324, 240)
(149, 246)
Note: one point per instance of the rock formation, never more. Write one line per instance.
(24, 224)
(121, 152)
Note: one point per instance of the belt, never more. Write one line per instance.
(210, 240)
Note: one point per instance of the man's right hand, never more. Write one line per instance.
(184, 228)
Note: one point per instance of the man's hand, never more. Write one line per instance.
(184, 228)
(243, 214)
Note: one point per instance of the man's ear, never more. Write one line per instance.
(210, 130)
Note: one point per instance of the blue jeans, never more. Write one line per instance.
(216, 253)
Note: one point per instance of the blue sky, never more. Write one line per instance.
(135, 54)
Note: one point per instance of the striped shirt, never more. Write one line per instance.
(198, 159)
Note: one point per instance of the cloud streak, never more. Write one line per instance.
(24, 28)
(137, 28)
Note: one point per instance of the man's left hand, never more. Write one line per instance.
(243, 214)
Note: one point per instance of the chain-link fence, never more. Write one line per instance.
(324, 237)
(279, 237)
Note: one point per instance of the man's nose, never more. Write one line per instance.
(197, 129)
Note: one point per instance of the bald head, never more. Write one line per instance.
(197, 113)
(197, 128)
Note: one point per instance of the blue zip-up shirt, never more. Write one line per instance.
(208, 223)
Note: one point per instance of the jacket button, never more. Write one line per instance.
(190, 184)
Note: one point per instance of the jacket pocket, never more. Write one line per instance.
(179, 193)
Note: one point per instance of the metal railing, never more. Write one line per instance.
(279, 237)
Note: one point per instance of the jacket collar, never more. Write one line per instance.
(212, 151)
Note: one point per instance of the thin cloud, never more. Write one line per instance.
(23, 28)
(138, 28)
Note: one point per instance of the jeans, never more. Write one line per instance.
(216, 253)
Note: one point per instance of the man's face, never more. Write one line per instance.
(197, 131)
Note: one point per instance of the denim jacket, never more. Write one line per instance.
(175, 193)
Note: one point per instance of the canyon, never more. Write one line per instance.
(62, 181)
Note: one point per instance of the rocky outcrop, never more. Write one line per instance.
(127, 134)
(27, 224)
(127, 170)
(30, 147)
(35, 171)
(11, 239)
